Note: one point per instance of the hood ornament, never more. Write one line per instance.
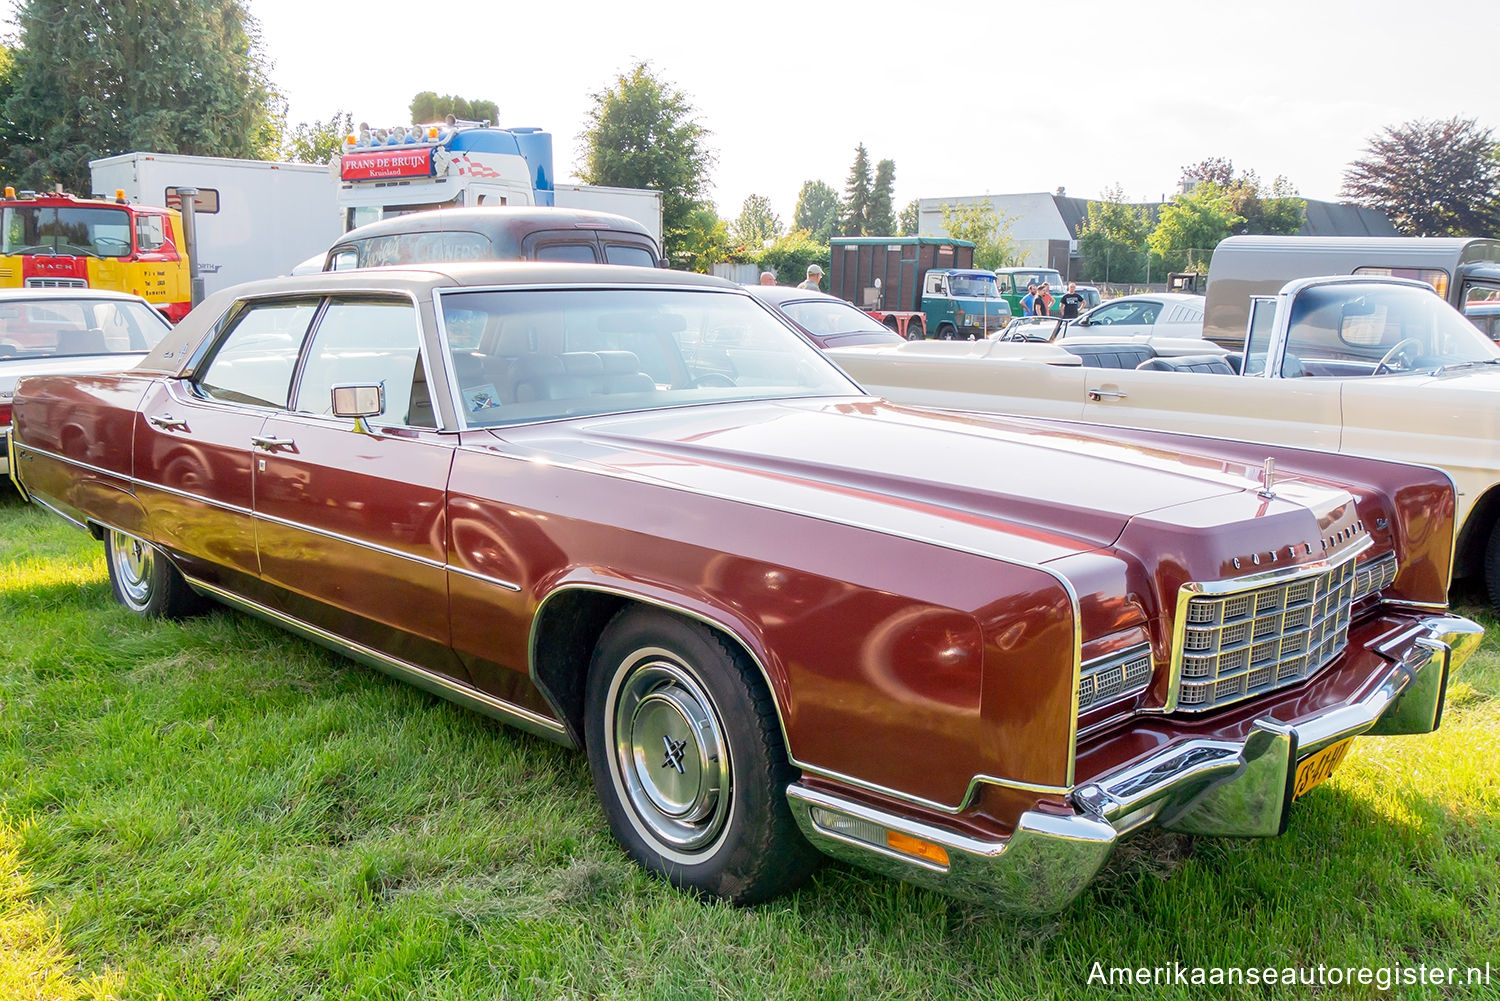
(1268, 479)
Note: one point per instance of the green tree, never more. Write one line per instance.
(317, 141)
(112, 76)
(910, 217)
(790, 255)
(819, 210)
(1275, 210)
(1431, 178)
(987, 229)
(756, 222)
(430, 107)
(1112, 242)
(881, 213)
(642, 133)
(857, 195)
(701, 240)
(7, 65)
(1191, 225)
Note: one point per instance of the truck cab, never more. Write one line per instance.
(1013, 283)
(963, 304)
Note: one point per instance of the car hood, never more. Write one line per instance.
(988, 484)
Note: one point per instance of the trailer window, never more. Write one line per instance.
(1436, 277)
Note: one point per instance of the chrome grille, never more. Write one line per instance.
(56, 283)
(1114, 677)
(1265, 637)
(1374, 575)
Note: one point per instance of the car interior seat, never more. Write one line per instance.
(1205, 364)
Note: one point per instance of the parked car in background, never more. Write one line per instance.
(70, 331)
(1168, 314)
(1352, 365)
(1485, 316)
(496, 233)
(825, 320)
(779, 614)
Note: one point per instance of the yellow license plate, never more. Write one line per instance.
(1313, 770)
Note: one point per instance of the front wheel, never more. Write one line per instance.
(946, 331)
(687, 759)
(143, 580)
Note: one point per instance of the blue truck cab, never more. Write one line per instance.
(963, 304)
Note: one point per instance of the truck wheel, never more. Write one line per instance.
(892, 323)
(914, 331)
(946, 331)
(144, 581)
(687, 759)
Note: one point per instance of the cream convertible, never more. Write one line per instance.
(1367, 366)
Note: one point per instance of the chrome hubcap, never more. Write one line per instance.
(670, 758)
(133, 564)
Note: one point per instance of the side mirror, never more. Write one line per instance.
(358, 402)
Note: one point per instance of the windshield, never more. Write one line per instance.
(51, 328)
(980, 286)
(826, 316)
(532, 355)
(1025, 278)
(1362, 329)
(87, 232)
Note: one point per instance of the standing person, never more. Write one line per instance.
(1072, 302)
(1028, 299)
(814, 275)
(1042, 303)
(768, 278)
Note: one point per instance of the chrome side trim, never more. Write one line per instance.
(437, 684)
(426, 561)
(484, 577)
(828, 773)
(59, 512)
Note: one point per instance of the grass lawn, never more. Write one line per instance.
(219, 810)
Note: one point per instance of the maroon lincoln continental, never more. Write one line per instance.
(633, 511)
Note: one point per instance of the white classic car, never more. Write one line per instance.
(69, 331)
(1356, 365)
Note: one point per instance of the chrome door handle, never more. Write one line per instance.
(167, 422)
(270, 443)
(1105, 394)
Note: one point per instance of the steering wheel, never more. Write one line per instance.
(1394, 354)
(712, 379)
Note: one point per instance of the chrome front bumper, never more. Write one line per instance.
(1230, 788)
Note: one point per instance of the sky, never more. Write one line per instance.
(987, 98)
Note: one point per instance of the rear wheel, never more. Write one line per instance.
(914, 331)
(687, 759)
(144, 581)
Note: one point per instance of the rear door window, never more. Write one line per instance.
(631, 254)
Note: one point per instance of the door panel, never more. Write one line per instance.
(352, 533)
(192, 461)
(1302, 412)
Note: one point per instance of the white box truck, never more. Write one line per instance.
(255, 218)
(641, 204)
